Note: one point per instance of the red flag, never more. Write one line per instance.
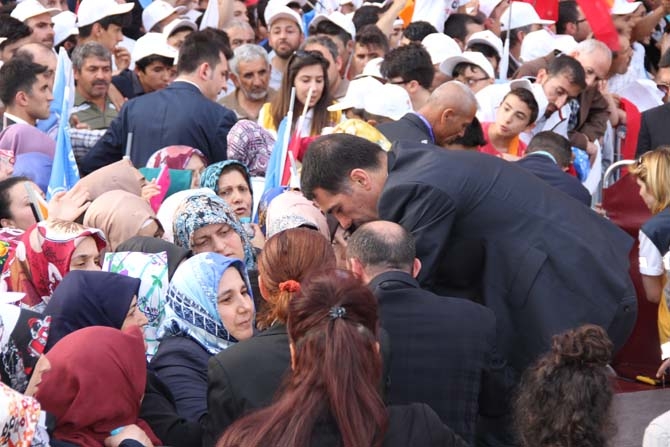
(597, 12)
(297, 146)
(163, 180)
(546, 9)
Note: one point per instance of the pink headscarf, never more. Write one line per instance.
(24, 138)
(174, 157)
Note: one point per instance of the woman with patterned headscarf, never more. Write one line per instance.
(208, 309)
(231, 181)
(205, 223)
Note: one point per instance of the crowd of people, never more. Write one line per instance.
(329, 223)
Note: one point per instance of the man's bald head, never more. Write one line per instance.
(450, 109)
(380, 246)
(40, 54)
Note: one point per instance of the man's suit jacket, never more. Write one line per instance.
(546, 169)
(442, 349)
(549, 264)
(177, 115)
(654, 129)
(243, 378)
(410, 127)
(247, 375)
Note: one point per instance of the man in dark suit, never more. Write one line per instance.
(445, 117)
(654, 129)
(548, 156)
(548, 263)
(184, 113)
(442, 348)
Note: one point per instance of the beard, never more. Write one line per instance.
(255, 95)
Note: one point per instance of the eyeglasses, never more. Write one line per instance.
(401, 82)
(473, 81)
(302, 54)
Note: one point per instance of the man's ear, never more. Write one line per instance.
(21, 98)
(542, 76)
(372, 122)
(96, 30)
(355, 266)
(360, 177)
(339, 63)
(412, 86)
(447, 114)
(530, 127)
(204, 71)
(416, 268)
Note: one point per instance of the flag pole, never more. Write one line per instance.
(287, 133)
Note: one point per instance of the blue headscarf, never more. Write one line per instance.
(210, 176)
(198, 211)
(192, 300)
(36, 166)
(86, 299)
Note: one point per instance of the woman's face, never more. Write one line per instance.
(308, 77)
(196, 165)
(646, 195)
(218, 238)
(19, 207)
(86, 256)
(135, 317)
(234, 190)
(234, 305)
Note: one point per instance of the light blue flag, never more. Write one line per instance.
(64, 173)
(274, 171)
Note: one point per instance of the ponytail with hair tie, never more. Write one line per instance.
(289, 286)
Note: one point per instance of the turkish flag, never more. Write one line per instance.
(546, 9)
(597, 12)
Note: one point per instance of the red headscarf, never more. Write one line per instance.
(95, 384)
(41, 259)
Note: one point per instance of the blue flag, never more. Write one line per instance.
(64, 173)
(274, 171)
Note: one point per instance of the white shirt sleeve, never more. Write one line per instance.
(651, 260)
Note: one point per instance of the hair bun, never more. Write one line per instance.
(289, 286)
(586, 345)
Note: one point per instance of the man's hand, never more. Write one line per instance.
(69, 205)
(121, 59)
(74, 122)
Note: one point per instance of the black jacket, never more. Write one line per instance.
(177, 115)
(442, 351)
(654, 129)
(546, 169)
(549, 263)
(246, 377)
(410, 127)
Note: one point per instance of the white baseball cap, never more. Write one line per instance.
(542, 42)
(372, 68)
(2, 39)
(623, 7)
(523, 14)
(158, 10)
(391, 101)
(176, 24)
(65, 25)
(153, 43)
(487, 38)
(91, 11)
(486, 7)
(338, 19)
(537, 91)
(278, 11)
(470, 57)
(440, 46)
(31, 8)
(356, 92)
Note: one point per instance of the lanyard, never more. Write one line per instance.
(428, 126)
(546, 154)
